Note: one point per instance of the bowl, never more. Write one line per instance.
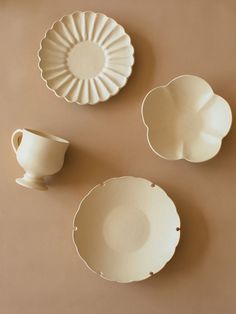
(126, 229)
(185, 119)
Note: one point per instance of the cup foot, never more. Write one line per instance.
(32, 183)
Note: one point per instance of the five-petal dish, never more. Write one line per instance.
(185, 119)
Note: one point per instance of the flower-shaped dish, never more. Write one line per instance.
(126, 229)
(86, 57)
(185, 119)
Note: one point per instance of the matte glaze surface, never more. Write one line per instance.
(86, 57)
(185, 119)
(40, 271)
(126, 229)
(40, 154)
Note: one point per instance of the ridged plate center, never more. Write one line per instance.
(86, 60)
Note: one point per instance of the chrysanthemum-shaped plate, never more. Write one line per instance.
(86, 57)
(126, 229)
(185, 119)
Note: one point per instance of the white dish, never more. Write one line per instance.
(126, 229)
(86, 57)
(185, 119)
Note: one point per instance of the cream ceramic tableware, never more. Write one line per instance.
(185, 119)
(39, 154)
(126, 229)
(86, 57)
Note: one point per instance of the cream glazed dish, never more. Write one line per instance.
(185, 119)
(86, 57)
(126, 229)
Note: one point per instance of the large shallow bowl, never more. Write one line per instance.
(126, 229)
(86, 57)
(185, 119)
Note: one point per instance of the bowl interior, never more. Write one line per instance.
(185, 119)
(126, 229)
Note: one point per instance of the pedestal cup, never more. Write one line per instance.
(39, 154)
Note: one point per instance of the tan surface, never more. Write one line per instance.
(40, 272)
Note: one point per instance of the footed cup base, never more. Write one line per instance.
(32, 183)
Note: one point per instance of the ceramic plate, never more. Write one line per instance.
(86, 57)
(126, 229)
(185, 119)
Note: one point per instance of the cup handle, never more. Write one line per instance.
(16, 139)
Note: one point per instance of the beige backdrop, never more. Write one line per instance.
(40, 272)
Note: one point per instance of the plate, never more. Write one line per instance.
(86, 57)
(185, 119)
(126, 229)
